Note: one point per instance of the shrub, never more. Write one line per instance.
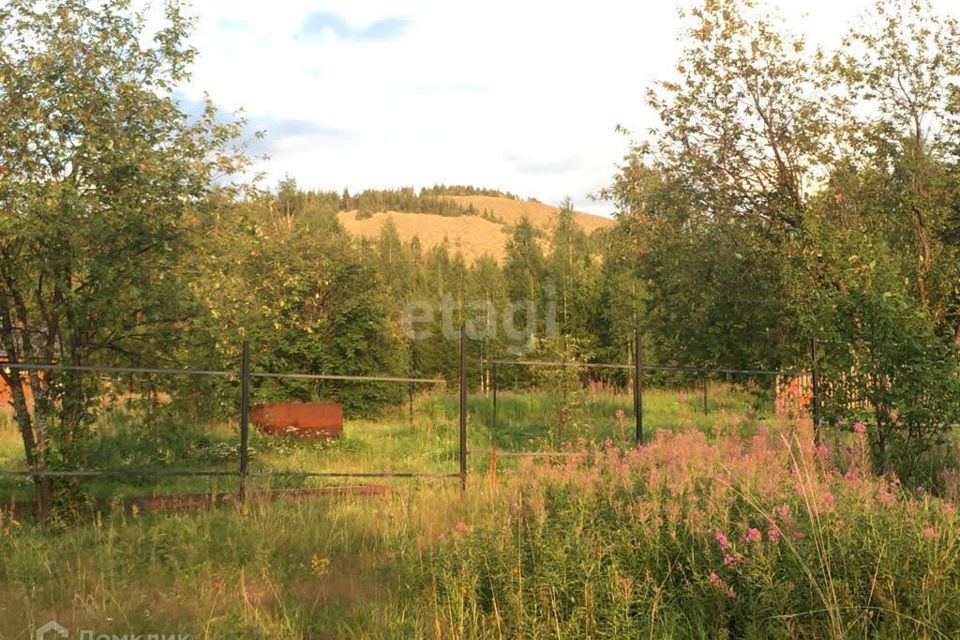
(886, 366)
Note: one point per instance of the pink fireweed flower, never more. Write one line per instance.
(752, 535)
(860, 428)
(732, 559)
(718, 582)
(722, 540)
(828, 501)
(885, 497)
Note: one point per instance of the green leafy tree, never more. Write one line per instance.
(571, 270)
(103, 182)
(525, 271)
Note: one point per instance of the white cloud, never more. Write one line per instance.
(522, 96)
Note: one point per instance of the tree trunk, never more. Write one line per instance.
(32, 449)
(33, 453)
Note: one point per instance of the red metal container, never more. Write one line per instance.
(299, 419)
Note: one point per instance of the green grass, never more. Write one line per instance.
(615, 544)
(429, 443)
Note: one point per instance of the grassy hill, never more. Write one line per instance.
(472, 235)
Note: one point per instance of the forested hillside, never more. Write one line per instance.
(276, 267)
(472, 221)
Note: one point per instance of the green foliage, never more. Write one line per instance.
(309, 302)
(563, 387)
(465, 190)
(103, 184)
(785, 188)
(884, 365)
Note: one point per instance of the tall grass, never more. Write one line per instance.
(692, 535)
(427, 441)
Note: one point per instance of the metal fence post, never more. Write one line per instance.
(638, 386)
(705, 382)
(410, 398)
(493, 382)
(244, 418)
(463, 408)
(815, 381)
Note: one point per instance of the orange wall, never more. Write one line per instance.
(5, 392)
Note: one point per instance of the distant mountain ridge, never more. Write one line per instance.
(484, 233)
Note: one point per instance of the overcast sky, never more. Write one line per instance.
(520, 96)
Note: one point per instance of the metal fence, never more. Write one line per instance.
(636, 369)
(245, 375)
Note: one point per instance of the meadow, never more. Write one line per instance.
(422, 438)
(730, 524)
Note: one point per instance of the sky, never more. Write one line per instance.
(516, 95)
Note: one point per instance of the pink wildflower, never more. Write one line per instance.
(885, 497)
(722, 540)
(620, 414)
(773, 534)
(753, 535)
(718, 582)
(930, 533)
(860, 428)
(461, 529)
(732, 560)
(828, 501)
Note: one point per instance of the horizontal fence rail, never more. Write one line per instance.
(99, 473)
(324, 376)
(579, 365)
(646, 367)
(524, 454)
(34, 366)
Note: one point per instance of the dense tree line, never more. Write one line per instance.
(466, 190)
(292, 200)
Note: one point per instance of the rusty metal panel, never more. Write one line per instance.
(299, 419)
